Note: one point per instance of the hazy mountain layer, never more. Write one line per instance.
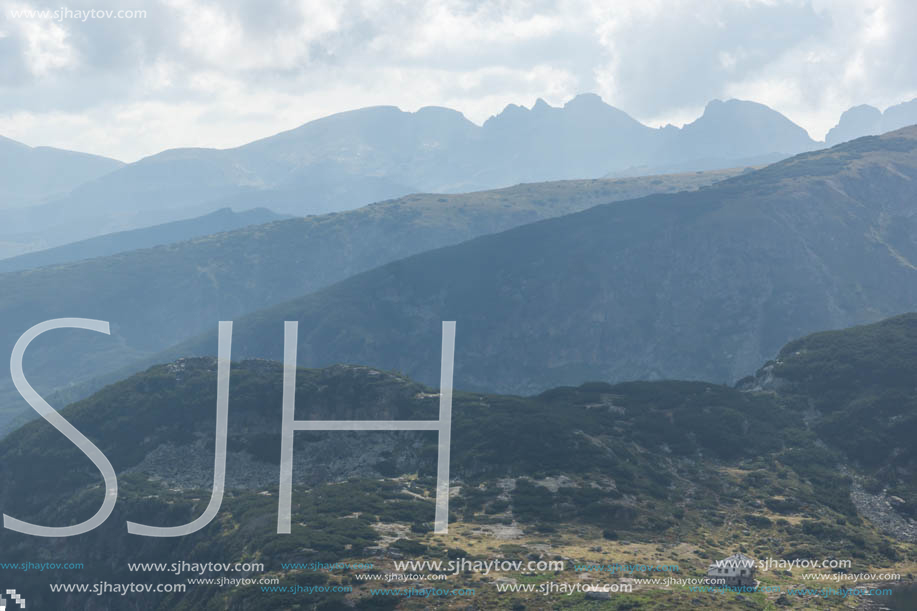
(28, 174)
(866, 120)
(160, 296)
(697, 285)
(178, 231)
(353, 158)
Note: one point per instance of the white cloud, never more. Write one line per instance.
(207, 73)
(45, 47)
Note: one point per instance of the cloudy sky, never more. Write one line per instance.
(195, 73)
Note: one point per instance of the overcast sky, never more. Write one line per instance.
(220, 74)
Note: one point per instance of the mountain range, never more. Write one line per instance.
(694, 285)
(700, 284)
(357, 157)
(156, 297)
(354, 158)
(661, 368)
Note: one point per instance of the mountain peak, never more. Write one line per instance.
(440, 111)
(900, 115)
(717, 107)
(541, 105)
(862, 120)
(865, 120)
(740, 128)
(586, 100)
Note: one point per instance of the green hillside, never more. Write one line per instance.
(640, 472)
(857, 387)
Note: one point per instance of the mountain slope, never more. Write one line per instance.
(698, 285)
(856, 390)
(858, 378)
(178, 231)
(28, 174)
(160, 296)
(657, 472)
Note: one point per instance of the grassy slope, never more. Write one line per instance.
(644, 472)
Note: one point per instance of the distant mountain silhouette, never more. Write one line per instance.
(354, 158)
(28, 174)
(733, 129)
(865, 120)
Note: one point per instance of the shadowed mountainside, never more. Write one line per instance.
(696, 285)
(157, 297)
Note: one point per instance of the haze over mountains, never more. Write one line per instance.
(177, 231)
(160, 296)
(695, 285)
(458, 305)
(31, 174)
(358, 157)
(164, 295)
(866, 120)
(700, 284)
(622, 309)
